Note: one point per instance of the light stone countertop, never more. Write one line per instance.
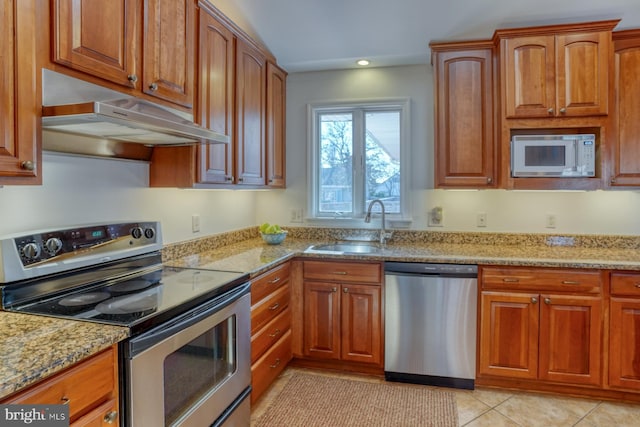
(254, 256)
(34, 347)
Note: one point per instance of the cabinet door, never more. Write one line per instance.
(168, 50)
(509, 334)
(276, 101)
(250, 107)
(97, 37)
(624, 155)
(322, 320)
(465, 142)
(20, 154)
(570, 339)
(624, 343)
(361, 324)
(528, 70)
(583, 73)
(215, 98)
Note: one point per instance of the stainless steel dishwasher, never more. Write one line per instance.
(430, 323)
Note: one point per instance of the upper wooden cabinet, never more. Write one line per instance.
(98, 38)
(216, 68)
(251, 69)
(20, 92)
(276, 125)
(168, 50)
(103, 40)
(556, 71)
(465, 140)
(623, 157)
(241, 93)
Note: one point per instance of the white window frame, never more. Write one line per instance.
(402, 219)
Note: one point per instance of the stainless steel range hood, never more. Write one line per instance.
(125, 127)
(128, 120)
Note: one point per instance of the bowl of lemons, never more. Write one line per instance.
(272, 234)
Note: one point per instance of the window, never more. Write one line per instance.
(358, 153)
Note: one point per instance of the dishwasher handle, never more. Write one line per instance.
(429, 269)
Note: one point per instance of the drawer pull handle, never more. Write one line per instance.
(274, 306)
(65, 400)
(547, 301)
(276, 280)
(110, 417)
(637, 285)
(275, 333)
(510, 280)
(275, 365)
(570, 282)
(342, 273)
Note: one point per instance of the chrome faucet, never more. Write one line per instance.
(384, 235)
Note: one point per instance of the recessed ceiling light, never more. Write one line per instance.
(362, 62)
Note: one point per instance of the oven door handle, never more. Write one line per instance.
(154, 336)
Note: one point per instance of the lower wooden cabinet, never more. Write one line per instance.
(546, 335)
(271, 348)
(90, 388)
(624, 331)
(342, 318)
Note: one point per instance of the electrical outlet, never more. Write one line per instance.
(195, 223)
(296, 215)
(481, 219)
(435, 217)
(551, 221)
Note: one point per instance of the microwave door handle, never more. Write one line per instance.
(575, 155)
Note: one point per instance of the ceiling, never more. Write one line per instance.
(311, 35)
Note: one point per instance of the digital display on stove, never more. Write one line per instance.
(94, 234)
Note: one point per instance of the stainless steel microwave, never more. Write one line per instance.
(562, 156)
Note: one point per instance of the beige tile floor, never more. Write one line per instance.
(491, 408)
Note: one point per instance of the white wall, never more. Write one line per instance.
(604, 212)
(83, 190)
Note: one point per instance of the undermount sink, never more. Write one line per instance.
(346, 248)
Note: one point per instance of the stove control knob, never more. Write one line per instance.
(149, 233)
(136, 232)
(31, 251)
(53, 245)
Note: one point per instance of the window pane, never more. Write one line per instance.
(336, 168)
(382, 159)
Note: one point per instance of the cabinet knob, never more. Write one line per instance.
(153, 87)
(275, 333)
(229, 178)
(550, 111)
(563, 110)
(240, 179)
(547, 301)
(345, 290)
(637, 285)
(275, 365)
(28, 165)
(334, 289)
(534, 300)
(132, 78)
(612, 181)
(489, 180)
(110, 417)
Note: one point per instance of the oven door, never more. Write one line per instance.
(189, 371)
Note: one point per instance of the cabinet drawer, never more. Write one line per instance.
(267, 283)
(267, 309)
(625, 284)
(272, 332)
(343, 271)
(83, 386)
(541, 279)
(269, 366)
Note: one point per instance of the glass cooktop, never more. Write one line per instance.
(148, 298)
